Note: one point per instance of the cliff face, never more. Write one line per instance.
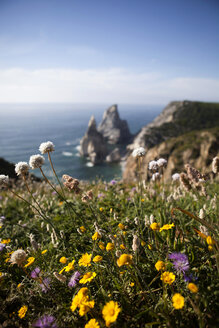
(168, 137)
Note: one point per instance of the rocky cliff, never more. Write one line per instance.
(168, 137)
(114, 130)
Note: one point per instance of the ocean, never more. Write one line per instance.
(24, 127)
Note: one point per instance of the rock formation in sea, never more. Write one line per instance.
(114, 130)
(93, 145)
(114, 156)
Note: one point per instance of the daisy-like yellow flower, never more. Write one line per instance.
(125, 259)
(22, 311)
(70, 266)
(124, 233)
(92, 324)
(167, 227)
(81, 301)
(101, 245)
(192, 287)
(96, 236)
(168, 277)
(30, 260)
(5, 241)
(210, 241)
(85, 307)
(110, 312)
(121, 226)
(122, 246)
(101, 209)
(132, 284)
(97, 259)
(160, 265)
(44, 251)
(142, 200)
(63, 260)
(178, 301)
(87, 277)
(155, 226)
(110, 247)
(82, 229)
(85, 260)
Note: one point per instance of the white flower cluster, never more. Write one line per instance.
(21, 168)
(18, 257)
(46, 147)
(175, 176)
(4, 179)
(154, 165)
(138, 152)
(36, 161)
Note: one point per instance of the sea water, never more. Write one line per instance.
(24, 126)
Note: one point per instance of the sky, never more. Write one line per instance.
(116, 51)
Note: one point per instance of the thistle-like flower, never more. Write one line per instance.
(153, 166)
(21, 168)
(138, 152)
(46, 147)
(36, 161)
(161, 162)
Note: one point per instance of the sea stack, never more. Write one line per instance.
(113, 129)
(93, 144)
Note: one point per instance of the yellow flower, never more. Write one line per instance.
(122, 246)
(121, 226)
(111, 210)
(132, 284)
(87, 277)
(168, 277)
(96, 235)
(22, 311)
(155, 226)
(125, 259)
(60, 203)
(81, 300)
(149, 246)
(44, 252)
(192, 287)
(97, 258)
(178, 301)
(124, 233)
(101, 209)
(85, 260)
(110, 247)
(85, 307)
(143, 243)
(5, 241)
(160, 265)
(70, 266)
(30, 260)
(92, 324)
(210, 241)
(19, 286)
(101, 245)
(82, 228)
(110, 312)
(142, 200)
(114, 236)
(167, 227)
(63, 260)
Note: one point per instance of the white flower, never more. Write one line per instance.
(161, 162)
(175, 176)
(18, 257)
(138, 152)
(4, 179)
(36, 161)
(215, 165)
(135, 243)
(46, 147)
(155, 176)
(21, 168)
(153, 166)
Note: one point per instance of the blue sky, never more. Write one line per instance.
(124, 51)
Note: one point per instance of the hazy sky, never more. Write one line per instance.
(116, 51)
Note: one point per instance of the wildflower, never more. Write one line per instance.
(139, 152)
(192, 287)
(210, 241)
(4, 179)
(168, 277)
(59, 277)
(110, 247)
(92, 324)
(30, 260)
(22, 311)
(87, 277)
(180, 263)
(113, 182)
(47, 321)
(125, 259)
(161, 162)
(153, 166)
(167, 227)
(45, 285)
(18, 257)
(101, 245)
(74, 279)
(36, 161)
(44, 251)
(35, 273)
(63, 260)
(178, 301)
(175, 176)
(101, 209)
(82, 301)
(97, 259)
(149, 246)
(2, 246)
(110, 312)
(46, 147)
(82, 229)
(85, 307)
(155, 176)
(68, 267)
(135, 243)
(124, 233)
(121, 226)
(155, 226)
(96, 236)
(132, 284)
(160, 265)
(143, 243)
(21, 168)
(85, 260)
(215, 165)
(122, 246)
(5, 241)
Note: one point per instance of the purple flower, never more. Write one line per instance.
(113, 182)
(100, 195)
(133, 189)
(1, 197)
(47, 321)
(180, 261)
(2, 246)
(54, 193)
(45, 285)
(35, 273)
(74, 279)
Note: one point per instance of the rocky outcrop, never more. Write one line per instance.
(114, 130)
(93, 145)
(197, 148)
(7, 168)
(114, 156)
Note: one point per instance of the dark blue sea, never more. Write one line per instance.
(24, 127)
